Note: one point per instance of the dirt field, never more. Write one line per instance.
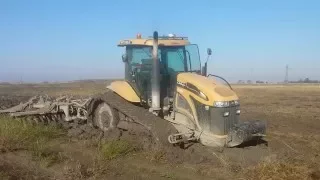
(292, 150)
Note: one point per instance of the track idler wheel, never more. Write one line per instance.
(105, 117)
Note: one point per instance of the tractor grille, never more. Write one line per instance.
(213, 120)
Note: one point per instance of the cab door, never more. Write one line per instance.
(139, 70)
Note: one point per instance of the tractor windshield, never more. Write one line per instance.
(172, 58)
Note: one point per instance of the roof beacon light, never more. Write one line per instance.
(138, 36)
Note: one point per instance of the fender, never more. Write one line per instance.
(123, 89)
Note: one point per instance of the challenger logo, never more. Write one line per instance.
(181, 84)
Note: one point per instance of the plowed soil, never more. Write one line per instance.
(291, 151)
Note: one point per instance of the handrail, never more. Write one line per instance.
(222, 79)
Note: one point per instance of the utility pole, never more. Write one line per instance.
(286, 78)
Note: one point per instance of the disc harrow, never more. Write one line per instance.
(47, 110)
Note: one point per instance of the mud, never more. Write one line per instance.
(193, 152)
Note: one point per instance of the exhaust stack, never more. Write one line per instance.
(155, 81)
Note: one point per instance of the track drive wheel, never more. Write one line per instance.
(106, 117)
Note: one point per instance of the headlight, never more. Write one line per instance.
(226, 103)
(221, 104)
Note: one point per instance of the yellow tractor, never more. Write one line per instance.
(164, 75)
(166, 91)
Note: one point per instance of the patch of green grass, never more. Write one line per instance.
(46, 154)
(17, 134)
(113, 149)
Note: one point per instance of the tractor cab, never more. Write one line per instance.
(175, 55)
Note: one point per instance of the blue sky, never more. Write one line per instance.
(59, 40)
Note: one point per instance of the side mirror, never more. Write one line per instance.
(209, 51)
(124, 58)
(205, 67)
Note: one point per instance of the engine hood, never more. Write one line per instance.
(196, 84)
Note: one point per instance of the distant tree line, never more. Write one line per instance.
(252, 82)
(306, 80)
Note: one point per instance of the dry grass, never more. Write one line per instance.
(76, 170)
(293, 118)
(278, 171)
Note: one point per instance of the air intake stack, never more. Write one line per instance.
(155, 81)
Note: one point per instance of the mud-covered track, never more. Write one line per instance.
(159, 128)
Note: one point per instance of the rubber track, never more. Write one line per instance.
(158, 127)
